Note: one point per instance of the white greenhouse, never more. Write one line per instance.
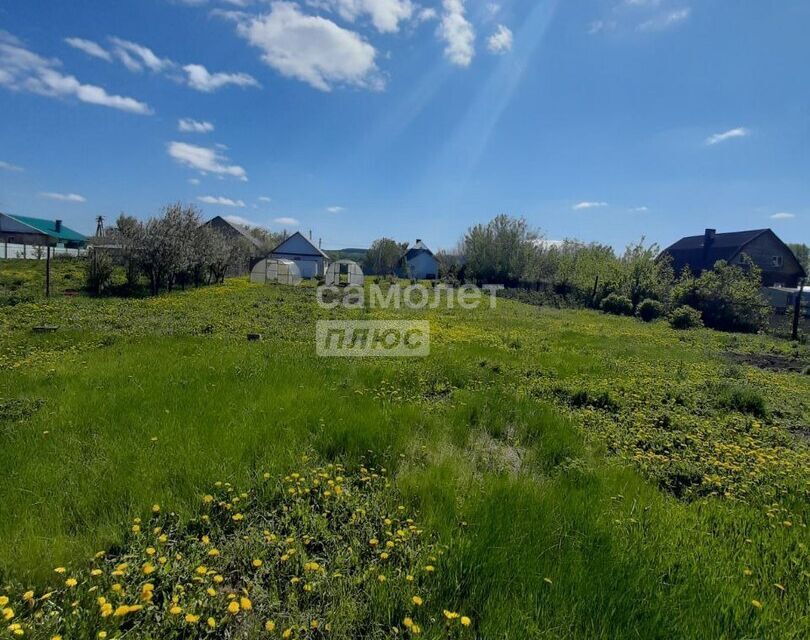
(274, 270)
(344, 272)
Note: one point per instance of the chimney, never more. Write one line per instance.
(708, 241)
(310, 235)
(319, 243)
(418, 240)
(58, 226)
(708, 237)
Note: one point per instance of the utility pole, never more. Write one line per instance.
(48, 271)
(797, 303)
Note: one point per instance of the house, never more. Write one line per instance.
(232, 231)
(38, 232)
(419, 262)
(310, 259)
(779, 266)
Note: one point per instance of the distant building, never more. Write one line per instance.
(232, 231)
(779, 266)
(419, 262)
(38, 232)
(310, 259)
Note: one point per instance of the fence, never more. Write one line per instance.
(10, 251)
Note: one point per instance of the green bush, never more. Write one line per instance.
(98, 271)
(728, 296)
(617, 305)
(650, 310)
(685, 317)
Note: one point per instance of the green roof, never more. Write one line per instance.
(48, 227)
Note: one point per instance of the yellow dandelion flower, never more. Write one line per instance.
(102, 635)
(28, 596)
(148, 568)
(417, 601)
(3, 601)
(211, 623)
(466, 621)
(430, 568)
(381, 578)
(192, 619)
(233, 607)
(155, 508)
(71, 582)
(287, 633)
(213, 552)
(176, 610)
(8, 613)
(245, 603)
(96, 572)
(257, 563)
(269, 626)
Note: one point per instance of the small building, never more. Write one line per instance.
(232, 231)
(344, 273)
(419, 262)
(311, 261)
(778, 264)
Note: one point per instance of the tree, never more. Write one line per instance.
(128, 236)
(500, 251)
(643, 275)
(98, 270)
(383, 256)
(728, 296)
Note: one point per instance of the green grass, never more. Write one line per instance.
(585, 472)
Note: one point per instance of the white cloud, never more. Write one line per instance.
(457, 33)
(427, 14)
(194, 181)
(640, 209)
(783, 215)
(199, 78)
(63, 197)
(385, 15)
(500, 41)
(7, 166)
(666, 20)
(90, 48)
(739, 132)
(311, 48)
(263, 199)
(135, 56)
(188, 125)
(225, 202)
(204, 159)
(335, 209)
(289, 221)
(23, 70)
(588, 205)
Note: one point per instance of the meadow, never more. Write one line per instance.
(562, 473)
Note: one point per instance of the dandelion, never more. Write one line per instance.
(236, 517)
(245, 603)
(192, 619)
(381, 578)
(417, 601)
(233, 607)
(465, 621)
(269, 626)
(211, 623)
(757, 604)
(287, 633)
(155, 508)
(101, 635)
(430, 568)
(407, 623)
(148, 568)
(8, 613)
(3, 601)
(59, 570)
(71, 582)
(28, 596)
(176, 610)
(256, 563)
(213, 553)
(96, 572)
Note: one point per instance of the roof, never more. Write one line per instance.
(42, 227)
(416, 249)
(314, 251)
(236, 227)
(725, 246)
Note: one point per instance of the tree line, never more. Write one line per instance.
(172, 249)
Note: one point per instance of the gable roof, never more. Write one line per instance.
(42, 227)
(417, 248)
(311, 250)
(237, 228)
(692, 251)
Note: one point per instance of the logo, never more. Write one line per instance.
(372, 338)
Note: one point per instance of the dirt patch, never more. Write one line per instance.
(770, 361)
(496, 455)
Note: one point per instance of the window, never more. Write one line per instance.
(776, 261)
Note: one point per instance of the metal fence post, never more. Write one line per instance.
(797, 303)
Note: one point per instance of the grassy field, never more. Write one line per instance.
(582, 475)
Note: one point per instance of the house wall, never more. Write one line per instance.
(423, 266)
(309, 265)
(762, 250)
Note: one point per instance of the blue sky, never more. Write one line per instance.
(602, 120)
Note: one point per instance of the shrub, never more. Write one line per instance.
(650, 310)
(617, 305)
(685, 318)
(98, 271)
(728, 296)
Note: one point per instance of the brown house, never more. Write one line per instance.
(779, 265)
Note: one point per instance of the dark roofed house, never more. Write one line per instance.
(232, 230)
(419, 262)
(39, 232)
(699, 253)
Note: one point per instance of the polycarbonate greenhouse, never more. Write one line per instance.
(274, 270)
(344, 272)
